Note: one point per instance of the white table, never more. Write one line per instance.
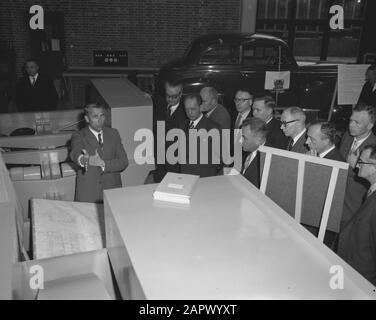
(231, 242)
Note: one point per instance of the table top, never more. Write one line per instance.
(230, 242)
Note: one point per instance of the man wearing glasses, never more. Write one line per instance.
(243, 102)
(357, 245)
(171, 111)
(293, 126)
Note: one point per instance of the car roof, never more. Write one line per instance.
(231, 37)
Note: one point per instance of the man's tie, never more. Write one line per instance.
(353, 149)
(191, 125)
(100, 140)
(238, 121)
(169, 110)
(33, 81)
(247, 162)
(290, 144)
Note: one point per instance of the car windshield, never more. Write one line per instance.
(221, 54)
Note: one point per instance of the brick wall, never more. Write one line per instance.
(153, 31)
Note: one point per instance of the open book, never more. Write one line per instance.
(176, 187)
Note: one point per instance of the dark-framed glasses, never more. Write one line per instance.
(360, 161)
(241, 99)
(285, 123)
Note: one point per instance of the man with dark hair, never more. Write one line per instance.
(368, 93)
(263, 108)
(98, 151)
(214, 111)
(293, 126)
(357, 245)
(320, 140)
(203, 135)
(359, 134)
(35, 91)
(170, 111)
(254, 133)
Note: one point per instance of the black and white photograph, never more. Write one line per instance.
(192, 155)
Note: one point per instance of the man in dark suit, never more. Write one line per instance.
(35, 91)
(358, 245)
(368, 93)
(203, 141)
(100, 154)
(168, 111)
(263, 108)
(359, 134)
(254, 135)
(214, 111)
(293, 126)
(320, 140)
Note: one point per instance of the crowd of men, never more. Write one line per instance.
(255, 117)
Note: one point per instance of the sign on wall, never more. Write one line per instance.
(108, 58)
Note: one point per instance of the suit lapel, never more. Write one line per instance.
(91, 139)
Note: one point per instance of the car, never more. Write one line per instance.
(229, 61)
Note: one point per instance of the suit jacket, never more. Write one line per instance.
(358, 245)
(202, 169)
(176, 120)
(335, 155)
(221, 117)
(90, 184)
(367, 95)
(356, 187)
(300, 145)
(253, 172)
(275, 137)
(41, 96)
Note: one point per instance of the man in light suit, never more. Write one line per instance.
(359, 134)
(100, 154)
(358, 245)
(320, 140)
(293, 126)
(35, 91)
(214, 111)
(263, 108)
(254, 135)
(208, 147)
(170, 111)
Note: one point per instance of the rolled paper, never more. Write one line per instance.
(16, 174)
(32, 173)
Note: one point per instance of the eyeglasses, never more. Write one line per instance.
(175, 96)
(285, 123)
(359, 162)
(241, 99)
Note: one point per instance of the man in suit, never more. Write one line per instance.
(100, 154)
(358, 245)
(214, 111)
(263, 108)
(368, 93)
(359, 134)
(243, 103)
(293, 126)
(254, 135)
(168, 111)
(203, 141)
(35, 91)
(320, 140)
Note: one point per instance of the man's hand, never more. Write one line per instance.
(96, 160)
(353, 157)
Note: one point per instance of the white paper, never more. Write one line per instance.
(275, 80)
(351, 79)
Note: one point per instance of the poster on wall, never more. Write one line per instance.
(351, 78)
(277, 81)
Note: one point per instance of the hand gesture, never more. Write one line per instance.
(85, 159)
(96, 160)
(312, 152)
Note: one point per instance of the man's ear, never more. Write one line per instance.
(86, 118)
(370, 126)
